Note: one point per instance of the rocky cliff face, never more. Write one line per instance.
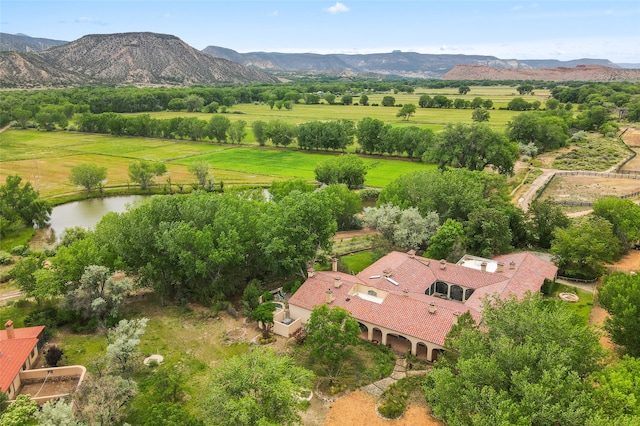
(578, 73)
(130, 58)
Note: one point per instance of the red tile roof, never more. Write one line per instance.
(14, 352)
(406, 308)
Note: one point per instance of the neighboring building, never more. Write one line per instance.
(412, 301)
(19, 348)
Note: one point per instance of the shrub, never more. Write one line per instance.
(393, 401)
(21, 250)
(53, 356)
(369, 194)
(5, 258)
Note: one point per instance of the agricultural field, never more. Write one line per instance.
(46, 158)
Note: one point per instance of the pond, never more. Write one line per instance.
(87, 213)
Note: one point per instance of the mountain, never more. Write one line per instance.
(125, 58)
(398, 63)
(24, 70)
(577, 73)
(24, 43)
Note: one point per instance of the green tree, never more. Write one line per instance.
(218, 127)
(330, 98)
(617, 389)
(200, 169)
(620, 296)
(406, 111)
(312, 99)
(517, 368)
(624, 216)
(463, 90)
(282, 188)
(21, 205)
(237, 131)
(88, 175)
(364, 100)
(487, 232)
(480, 114)
(176, 104)
(331, 335)
(388, 101)
(475, 147)
(280, 132)
(264, 314)
(370, 133)
(24, 274)
(259, 131)
(346, 169)
(143, 172)
(257, 388)
(20, 413)
(424, 101)
(346, 99)
(580, 250)
(194, 103)
(448, 242)
(345, 206)
(543, 219)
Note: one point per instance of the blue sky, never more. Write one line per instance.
(542, 29)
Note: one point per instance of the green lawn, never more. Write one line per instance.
(357, 262)
(583, 306)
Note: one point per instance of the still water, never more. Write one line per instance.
(87, 213)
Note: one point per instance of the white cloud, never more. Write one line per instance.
(88, 20)
(274, 13)
(337, 8)
(166, 15)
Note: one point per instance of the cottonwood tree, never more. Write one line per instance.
(143, 172)
(448, 242)
(217, 128)
(474, 147)
(406, 111)
(346, 169)
(123, 341)
(21, 205)
(19, 413)
(370, 133)
(620, 296)
(517, 365)
(88, 175)
(543, 217)
(624, 216)
(581, 249)
(257, 388)
(259, 131)
(480, 115)
(237, 131)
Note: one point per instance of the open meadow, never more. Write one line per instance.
(46, 158)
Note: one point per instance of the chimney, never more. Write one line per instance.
(443, 264)
(311, 272)
(337, 282)
(334, 264)
(483, 266)
(432, 308)
(405, 292)
(412, 254)
(512, 265)
(9, 329)
(329, 296)
(500, 267)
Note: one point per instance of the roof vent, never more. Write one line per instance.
(512, 265)
(337, 282)
(432, 308)
(456, 313)
(387, 272)
(443, 264)
(483, 266)
(329, 296)
(412, 254)
(500, 267)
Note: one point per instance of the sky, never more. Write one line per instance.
(541, 29)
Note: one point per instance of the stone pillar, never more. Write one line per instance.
(369, 333)
(414, 347)
(384, 338)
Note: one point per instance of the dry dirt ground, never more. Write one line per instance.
(589, 189)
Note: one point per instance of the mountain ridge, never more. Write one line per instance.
(140, 58)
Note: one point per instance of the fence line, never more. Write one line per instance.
(597, 174)
(579, 280)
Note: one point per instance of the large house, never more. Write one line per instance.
(411, 301)
(19, 348)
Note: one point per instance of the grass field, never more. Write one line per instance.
(46, 158)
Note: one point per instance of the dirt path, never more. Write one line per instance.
(347, 235)
(527, 198)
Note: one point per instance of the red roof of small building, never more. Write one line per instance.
(405, 277)
(14, 352)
